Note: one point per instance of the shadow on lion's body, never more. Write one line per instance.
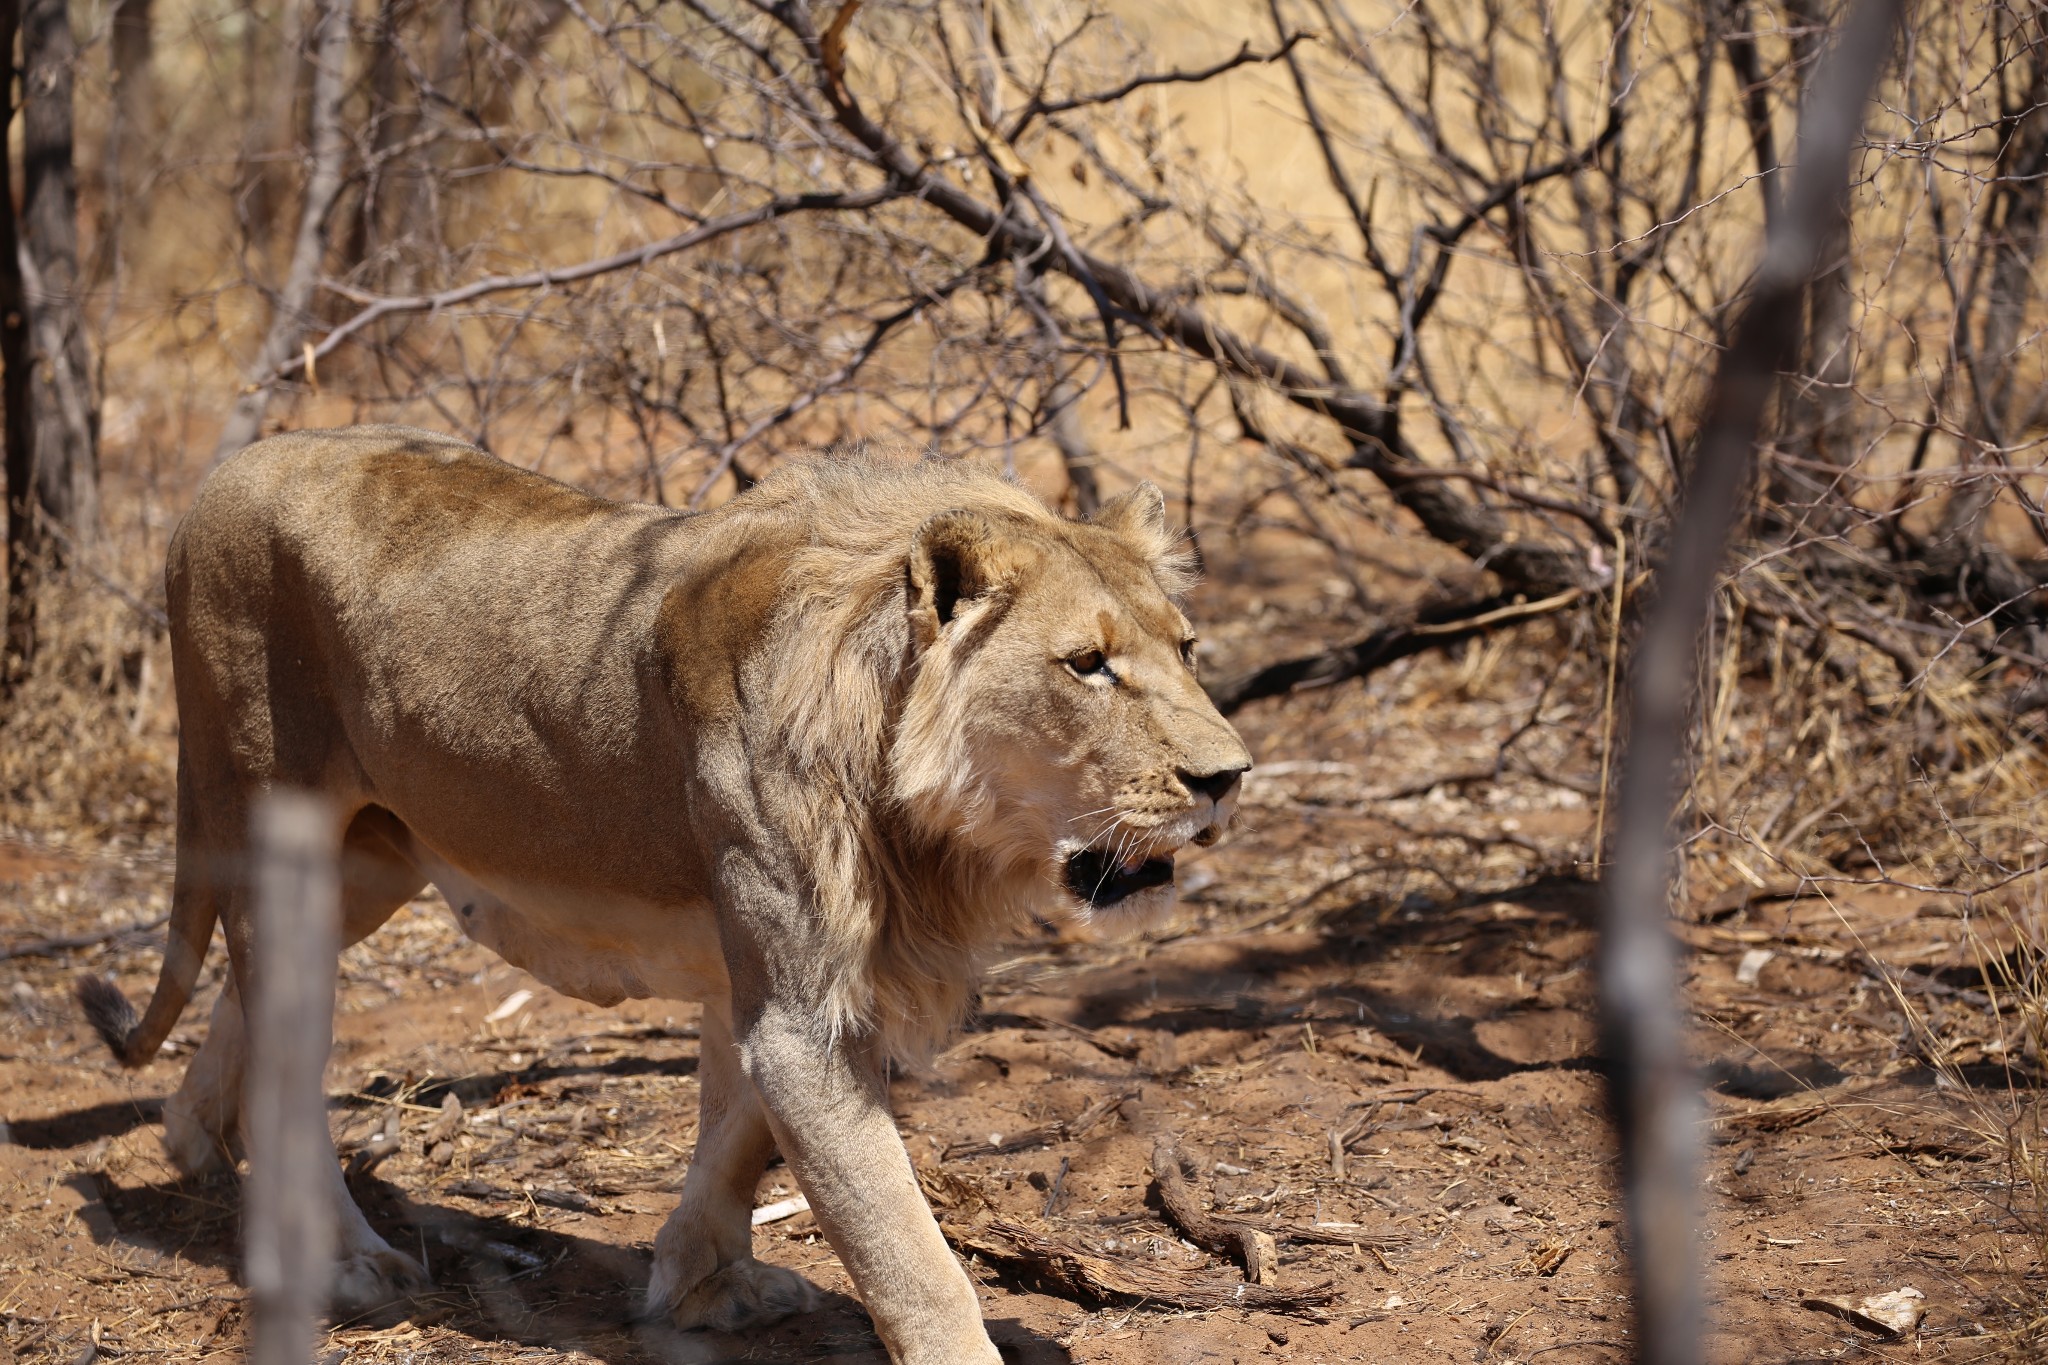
(800, 758)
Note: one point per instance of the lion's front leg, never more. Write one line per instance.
(828, 1105)
(705, 1274)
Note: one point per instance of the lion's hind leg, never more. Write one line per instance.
(202, 1121)
(379, 874)
(705, 1274)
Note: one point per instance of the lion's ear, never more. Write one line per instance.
(1139, 516)
(956, 557)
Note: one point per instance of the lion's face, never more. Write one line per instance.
(1055, 723)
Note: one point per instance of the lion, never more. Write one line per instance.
(802, 758)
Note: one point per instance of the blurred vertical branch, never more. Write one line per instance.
(290, 1221)
(1654, 1094)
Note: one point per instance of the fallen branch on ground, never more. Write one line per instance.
(1070, 1269)
(1389, 644)
(1253, 1248)
(1248, 1243)
(64, 943)
(1044, 1135)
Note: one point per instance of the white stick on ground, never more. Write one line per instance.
(288, 1220)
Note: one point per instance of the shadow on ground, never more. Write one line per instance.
(504, 1279)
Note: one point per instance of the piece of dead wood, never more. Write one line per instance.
(1940, 1151)
(1336, 1235)
(366, 1158)
(1362, 1126)
(1186, 1206)
(1547, 1259)
(1442, 625)
(1909, 978)
(953, 1194)
(1121, 1051)
(1742, 895)
(1071, 1269)
(1044, 1135)
(1892, 1316)
(445, 1125)
(64, 943)
(1791, 1111)
(1253, 1248)
(1370, 1047)
(479, 1189)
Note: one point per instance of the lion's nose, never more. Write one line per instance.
(1216, 785)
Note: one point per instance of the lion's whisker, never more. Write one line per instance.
(1110, 867)
(1111, 823)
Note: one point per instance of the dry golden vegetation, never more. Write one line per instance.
(1410, 308)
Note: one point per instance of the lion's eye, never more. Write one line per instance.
(1091, 663)
(1187, 651)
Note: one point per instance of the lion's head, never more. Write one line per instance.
(985, 710)
(1054, 722)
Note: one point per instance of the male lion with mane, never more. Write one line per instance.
(802, 758)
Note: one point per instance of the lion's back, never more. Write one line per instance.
(408, 589)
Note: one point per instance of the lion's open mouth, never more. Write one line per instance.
(1094, 877)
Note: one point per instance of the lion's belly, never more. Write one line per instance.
(591, 947)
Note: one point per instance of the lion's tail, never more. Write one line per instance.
(135, 1041)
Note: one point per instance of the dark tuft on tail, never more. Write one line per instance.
(109, 1013)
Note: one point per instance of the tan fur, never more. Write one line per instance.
(803, 759)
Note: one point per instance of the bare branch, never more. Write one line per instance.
(1039, 107)
(382, 306)
(1438, 628)
(1655, 1095)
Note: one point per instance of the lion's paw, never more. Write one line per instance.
(369, 1278)
(193, 1148)
(743, 1295)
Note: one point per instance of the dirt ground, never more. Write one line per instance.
(1390, 949)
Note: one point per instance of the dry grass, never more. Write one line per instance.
(88, 740)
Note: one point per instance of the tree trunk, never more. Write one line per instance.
(271, 60)
(63, 409)
(328, 35)
(24, 534)
(1818, 404)
(1959, 557)
(134, 47)
(389, 123)
(1823, 408)
(130, 125)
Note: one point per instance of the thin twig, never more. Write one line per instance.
(377, 306)
(64, 943)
